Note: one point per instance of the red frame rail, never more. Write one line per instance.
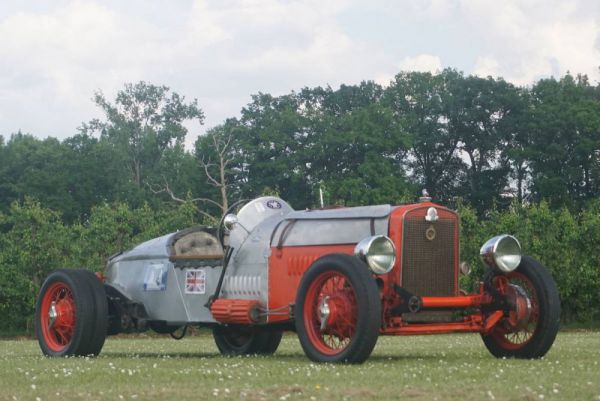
(473, 323)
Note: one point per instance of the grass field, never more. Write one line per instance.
(451, 367)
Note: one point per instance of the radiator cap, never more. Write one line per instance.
(425, 196)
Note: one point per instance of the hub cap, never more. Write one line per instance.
(52, 314)
(330, 312)
(57, 316)
(324, 313)
(519, 327)
(518, 299)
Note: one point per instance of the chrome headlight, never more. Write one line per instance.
(230, 221)
(465, 268)
(502, 253)
(378, 252)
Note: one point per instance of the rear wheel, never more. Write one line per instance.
(269, 342)
(338, 310)
(64, 314)
(100, 313)
(529, 329)
(243, 340)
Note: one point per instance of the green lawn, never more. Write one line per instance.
(451, 367)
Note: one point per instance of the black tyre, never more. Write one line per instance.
(268, 342)
(244, 340)
(338, 310)
(64, 314)
(100, 313)
(533, 337)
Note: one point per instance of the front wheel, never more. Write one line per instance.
(338, 310)
(529, 330)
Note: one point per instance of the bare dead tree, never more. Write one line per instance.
(216, 174)
(221, 147)
(166, 189)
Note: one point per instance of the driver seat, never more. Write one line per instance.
(197, 245)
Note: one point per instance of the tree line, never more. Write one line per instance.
(484, 144)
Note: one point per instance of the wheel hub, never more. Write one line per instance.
(324, 313)
(333, 315)
(521, 307)
(52, 314)
(61, 314)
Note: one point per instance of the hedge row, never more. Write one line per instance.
(34, 241)
(566, 243)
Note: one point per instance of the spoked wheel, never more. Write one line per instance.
(338, 311)
(65, 315)
(528, 330)
(58, 316)
(331, 312)
(244, 340)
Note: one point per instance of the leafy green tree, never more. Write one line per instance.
(35, 242)
(518, 150)
(111, 228)
(565, 140)
(375, 181)
(484, 114)
(95, 175)
(35, 239)
(36, 168)
(70, 176)
(353, 145)
(143, 123)
(271, 137)
(418, 102)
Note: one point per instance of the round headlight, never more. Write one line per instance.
(378, 252)
(502, 253)
(465, 268)
(230, 221)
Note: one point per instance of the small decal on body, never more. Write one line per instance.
(195, 281)
(273, 204)
(155, 278)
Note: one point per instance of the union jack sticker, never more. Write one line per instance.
(195, 281)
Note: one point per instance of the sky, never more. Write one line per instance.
(54, 54)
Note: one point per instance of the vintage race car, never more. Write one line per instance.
(338, 277)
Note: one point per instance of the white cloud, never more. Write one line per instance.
(53, 56)
(434, 9)
(384, 79)
(486, 66)
(55, 61)
(220, 52)
(422, 62)
(528, 40)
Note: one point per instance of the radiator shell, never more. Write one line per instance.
(429, 264)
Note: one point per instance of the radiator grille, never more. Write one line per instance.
(428, 265)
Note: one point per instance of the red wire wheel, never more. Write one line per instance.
(529, 328)
(338, 310)
(57, 316)
(330, 312)
(65, 314)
